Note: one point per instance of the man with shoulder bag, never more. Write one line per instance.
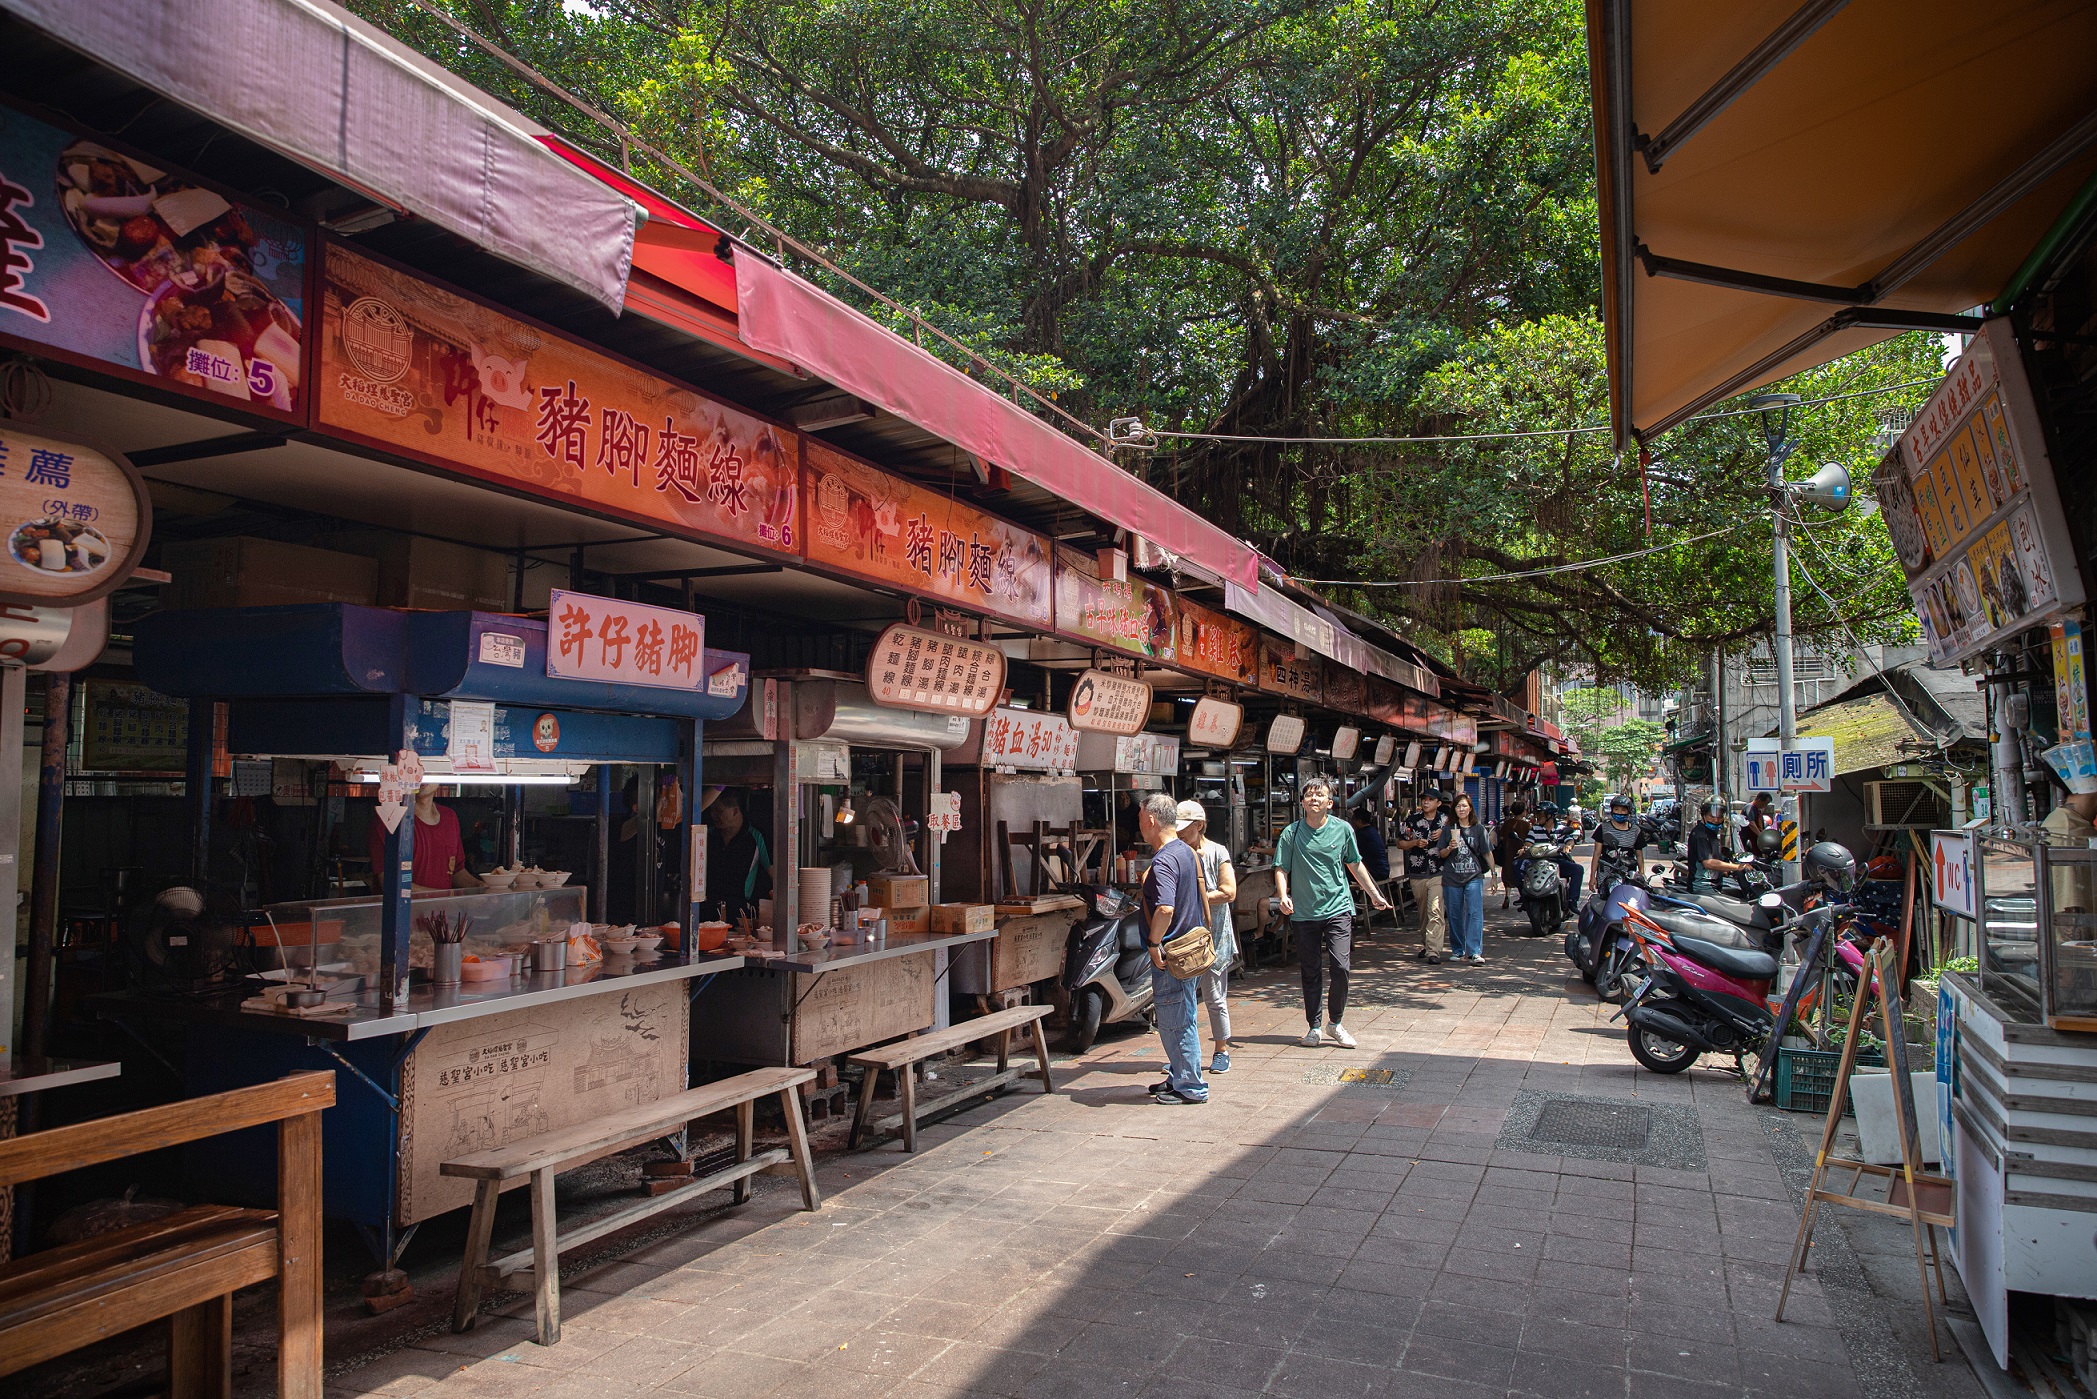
(1175, 919)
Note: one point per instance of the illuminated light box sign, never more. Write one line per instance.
(1215, 723)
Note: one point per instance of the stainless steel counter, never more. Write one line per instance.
(852, 954)
(427, 1005)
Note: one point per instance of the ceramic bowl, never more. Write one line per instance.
(619, 947)
(552, 879)
(498, 879)
(648, 942)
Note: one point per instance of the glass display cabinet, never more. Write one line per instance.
(2038, 924)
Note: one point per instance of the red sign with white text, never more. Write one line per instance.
(624, 643)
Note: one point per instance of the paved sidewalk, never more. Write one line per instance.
(1486, 1198)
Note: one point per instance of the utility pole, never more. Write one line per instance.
(1776, 434)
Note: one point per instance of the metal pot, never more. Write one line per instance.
(550, 955)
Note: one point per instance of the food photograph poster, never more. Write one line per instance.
(115, 260)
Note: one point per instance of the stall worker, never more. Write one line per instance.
(738, 862)
(440, 851)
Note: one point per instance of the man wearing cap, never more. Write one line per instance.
(1219, 884)
(1420, 835)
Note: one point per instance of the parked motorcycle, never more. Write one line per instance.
(1106, 965)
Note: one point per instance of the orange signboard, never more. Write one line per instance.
(865, 522)
(419, 371)
(1218, 645)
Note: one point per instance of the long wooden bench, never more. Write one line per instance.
(903, 1054)
(539, 1159)
(186, 1267)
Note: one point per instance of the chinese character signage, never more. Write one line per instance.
(1402, 709)
(1134, 616)
(1969, 500)
(624, 643)
(422, 372)
(1156, 755)
(910, 668)
(115, 262)
(1029, 738)
(76, 519)
(1218, 645)
(1346, 741)
(1346, 690)
(2073, 756)
(867, 523)
(1282, 673)
(1285, 734)
(1114, 704)
(1214, 723)
(1809, 766)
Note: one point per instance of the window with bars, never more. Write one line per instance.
(1806, 666)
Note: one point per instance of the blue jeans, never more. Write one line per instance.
(1466, 908)
(1174, 1000)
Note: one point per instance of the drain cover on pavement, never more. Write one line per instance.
(1625, 1126)
(1359, 1078)
(1604, 1129)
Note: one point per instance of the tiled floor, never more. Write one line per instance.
(1293, 1237)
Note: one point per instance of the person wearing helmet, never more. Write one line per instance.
(1619, 838)
(1709, 846)
(1831, 865)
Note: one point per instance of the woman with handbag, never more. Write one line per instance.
(1219, 885)
(1466, 851)
(1174, 916)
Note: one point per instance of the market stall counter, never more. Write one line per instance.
(459, 1019)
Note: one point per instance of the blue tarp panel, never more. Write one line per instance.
(357, 728)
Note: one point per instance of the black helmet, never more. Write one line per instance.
(1547, 808)
(1832, 865)
(1768, 841)
(1620, 802)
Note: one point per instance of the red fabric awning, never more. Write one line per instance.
(780, 313)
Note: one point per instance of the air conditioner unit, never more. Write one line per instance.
(1905, 806)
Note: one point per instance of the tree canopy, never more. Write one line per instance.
(1253, 219)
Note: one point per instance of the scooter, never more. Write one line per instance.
(1106, 965)
(1617, 882)
(1700, 996)
(1547, 882)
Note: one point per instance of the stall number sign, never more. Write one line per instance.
(1951, 873)
(910, 668)
(1027, 738)
(944, 818)
(623, 643)
(1215, 723)
(1114, 704)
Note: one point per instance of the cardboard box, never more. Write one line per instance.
(243, 571)
(432, 573)
(963, 918)
(899, 890)
(908, 920)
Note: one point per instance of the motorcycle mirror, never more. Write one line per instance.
(1771, 901)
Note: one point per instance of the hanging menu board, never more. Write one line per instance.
(1969, 500)
(865, 522)
(413, 369)
(914, 669)
(1029, 738)
(115, 262)
(1132, 616)
(1103, 703)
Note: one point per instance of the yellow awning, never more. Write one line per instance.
(1828, 175)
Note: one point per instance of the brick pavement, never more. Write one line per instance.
(1307, 1233)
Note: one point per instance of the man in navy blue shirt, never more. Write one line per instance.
(1172, 907)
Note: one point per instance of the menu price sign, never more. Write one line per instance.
(412, 368)
(1157, 755)
(910, 668)
(2074, 757)
(1970, 503)
(1030, 738)
(76, 519)
(1214, 723)
(1114, 704)
(623, 643)
(865, 522)
(117, 262)
(1285, 734)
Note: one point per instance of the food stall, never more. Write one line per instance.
(461, 1018)
(859, 943)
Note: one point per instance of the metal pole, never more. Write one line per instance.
(1721, 755)
(14, 691)
(1787, 714)
(43, 885)
(395, 875)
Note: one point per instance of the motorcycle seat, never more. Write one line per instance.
(1694, 923)
(1745, 964)
(1732, 910)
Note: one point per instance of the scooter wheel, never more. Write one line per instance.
(1662, 1056)
(1085, 1015)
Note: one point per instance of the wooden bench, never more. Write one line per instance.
(540, 1158)
(183, 1268)
(900, 1056)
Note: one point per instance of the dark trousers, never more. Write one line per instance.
(1320, 941)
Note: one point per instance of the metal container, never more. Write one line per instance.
(444, 966)
(550, 955)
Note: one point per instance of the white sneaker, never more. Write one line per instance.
(1312, 1039)
(1339, 1036)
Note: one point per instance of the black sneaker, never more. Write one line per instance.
(1163, 1085)
(1434, 961)
(1169, 1098)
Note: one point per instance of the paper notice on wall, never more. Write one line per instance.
(471, 738)
(391, 792)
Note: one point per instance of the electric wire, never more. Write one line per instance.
(1578, 567)
(1835, 610)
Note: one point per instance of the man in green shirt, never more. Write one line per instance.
(1311, 863)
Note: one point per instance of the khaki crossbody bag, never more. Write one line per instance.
(1194, 951)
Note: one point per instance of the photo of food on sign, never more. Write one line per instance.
(56, 544)
(121, 261)
(72, 516)
(415, 368)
